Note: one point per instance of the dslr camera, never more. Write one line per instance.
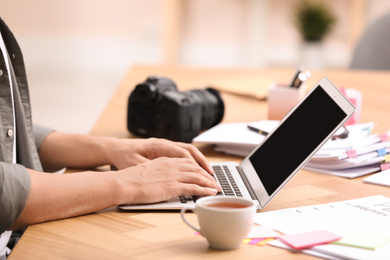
(157, 109)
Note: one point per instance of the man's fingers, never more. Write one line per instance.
(195, 168)
(196, 190)
(193, 152)
(200, 178)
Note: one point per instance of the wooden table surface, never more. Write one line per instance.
(115, 234)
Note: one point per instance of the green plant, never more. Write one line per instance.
(314, 20)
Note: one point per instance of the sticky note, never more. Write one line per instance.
(363, 240)
(308, 239)
(352, 154)
(262, 232)
(385, 166)
(383, 137)
(265, 241)
(255, 241)
(381, 152)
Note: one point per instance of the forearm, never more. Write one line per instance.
(60, 150)
(55, 196)
(73, 150)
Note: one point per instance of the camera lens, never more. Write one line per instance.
(212, 106)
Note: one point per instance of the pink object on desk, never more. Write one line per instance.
(282, 98)
(309, 239)
(356, 99)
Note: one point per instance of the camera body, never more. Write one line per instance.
(157, 109)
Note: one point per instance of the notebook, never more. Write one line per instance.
(285, 150)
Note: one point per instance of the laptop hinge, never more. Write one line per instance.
(246, 182)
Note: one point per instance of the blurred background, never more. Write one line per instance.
(77, 51)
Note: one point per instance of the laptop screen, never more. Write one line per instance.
(294, 140)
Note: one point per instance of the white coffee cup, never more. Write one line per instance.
(223, 221)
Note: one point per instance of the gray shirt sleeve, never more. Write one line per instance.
(15, 185)
(40, 133)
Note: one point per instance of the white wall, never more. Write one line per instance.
(77, 51)
(95, 35)
(85, 34)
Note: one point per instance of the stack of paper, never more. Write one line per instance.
(361, 223)
(359, 154)
(236, 138)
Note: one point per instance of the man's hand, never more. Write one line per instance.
(165, 178)
(130, 152)
(83, 151)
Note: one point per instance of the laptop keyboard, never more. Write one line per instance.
(225, 179)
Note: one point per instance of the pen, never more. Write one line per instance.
(302, 77)
(254, 129)
(296, 80)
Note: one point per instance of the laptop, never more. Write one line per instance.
(284, 151)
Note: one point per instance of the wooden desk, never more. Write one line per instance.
(112, 234)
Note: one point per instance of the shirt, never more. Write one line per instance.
(16, 120)
(6, 59)
(5, 237)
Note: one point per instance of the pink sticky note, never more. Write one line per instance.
(352, 154)
(308, 239)
(383, 137)
(254, 241)
(262, 232)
